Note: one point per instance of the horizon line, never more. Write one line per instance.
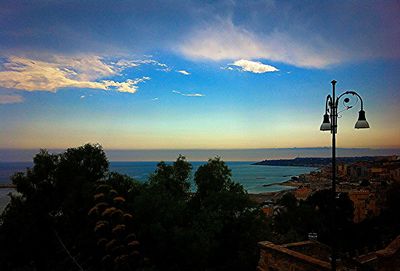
(194, 160)
(231, 155)
(194, 149)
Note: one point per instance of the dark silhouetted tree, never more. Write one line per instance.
(54, 195)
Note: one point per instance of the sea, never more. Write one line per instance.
(254, 178)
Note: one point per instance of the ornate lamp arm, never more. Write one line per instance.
(352, 93)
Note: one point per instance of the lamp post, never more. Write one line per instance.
(329, 123)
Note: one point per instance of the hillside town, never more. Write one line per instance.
(366, 184)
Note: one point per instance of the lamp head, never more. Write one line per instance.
(326, 124)
(362, 122)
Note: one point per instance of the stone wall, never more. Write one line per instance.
(312, 256)
(280, 258)
(389, 258)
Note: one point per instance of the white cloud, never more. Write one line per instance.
(225, 41)
(253, 66)
(129, 85)
(183, 72)
(227, 68)
(152, 62)
(124, 64)
(189, 94)
(83, 68)
(162, 66)
(10, 99)
(155, 99)
(61, 72)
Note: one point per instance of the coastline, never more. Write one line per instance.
(291, 183)
(314, 161)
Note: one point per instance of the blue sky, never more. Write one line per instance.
(195, 74)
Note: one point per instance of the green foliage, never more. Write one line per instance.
(216, 228)
(162, 212)
(213, 177)
(312, 215)
(228, 221)
(77, 172)
(172, 179)
(289, 201)
(55, 194)
(111, 222)
(25, 233)
(24, 237)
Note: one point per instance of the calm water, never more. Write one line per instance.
(250, 176)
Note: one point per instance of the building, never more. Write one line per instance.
(342, 170)
(364, 203)
(302, 193)
(268, 210)
(358, 171)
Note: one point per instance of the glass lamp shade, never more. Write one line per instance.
(326, 125)
(362, 122)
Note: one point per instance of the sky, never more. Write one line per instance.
(196, 74)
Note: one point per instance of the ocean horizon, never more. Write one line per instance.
(195, 155)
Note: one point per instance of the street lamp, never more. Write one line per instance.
(329, 123)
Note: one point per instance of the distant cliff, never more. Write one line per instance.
(314, 161)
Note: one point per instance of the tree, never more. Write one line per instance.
(229, 223)
(162, 214)
(173, 179)
(216, 228)
(313, 215)
(54, 195)
(288, 200)
(213, 177)
(108, 221)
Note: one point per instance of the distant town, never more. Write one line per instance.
(362, 178)
(365, 180)
(318, 161)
